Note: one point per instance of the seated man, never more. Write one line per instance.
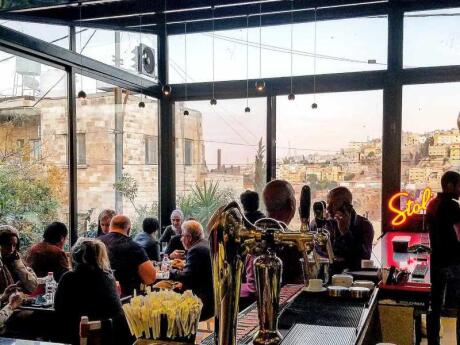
(250, 201)
(197, 272)
(12, 268)
(129, 261)
(279, 199)
(351, 235)
(175, 248)
(146, 240)
(177, 218)
(48, 255)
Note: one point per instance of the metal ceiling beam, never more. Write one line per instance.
(104, 25)
(338, 82)
(428, 75)
(282, 18)
(250, 9)
(12, 40)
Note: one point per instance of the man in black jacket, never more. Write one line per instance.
(196, 275)
(146, 240)
(351, 235)
(443, 218)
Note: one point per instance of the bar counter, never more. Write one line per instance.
(308, 314)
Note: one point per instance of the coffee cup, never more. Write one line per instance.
(315, 284)
(367, 263)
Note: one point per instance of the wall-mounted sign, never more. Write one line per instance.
(412, 206)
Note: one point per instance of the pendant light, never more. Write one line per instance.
(186, 113)
(247, 109)
(166, 89)
(260, 84)
(213, 99)
(81, 93)
(314, 105)
(140, 61)
(291, 96)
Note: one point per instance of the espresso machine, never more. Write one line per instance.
(230, 242)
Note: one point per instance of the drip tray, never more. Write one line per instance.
(321, 309)
(313, 334)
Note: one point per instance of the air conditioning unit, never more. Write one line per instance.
(145, 60)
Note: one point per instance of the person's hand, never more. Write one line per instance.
(9, 290)
(177, 254)
(178, 264)
(343, 221)
(15, 300)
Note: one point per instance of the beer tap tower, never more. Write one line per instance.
(230, 242)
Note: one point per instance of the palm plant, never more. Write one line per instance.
(204, 200)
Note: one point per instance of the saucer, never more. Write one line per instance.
(314, 290)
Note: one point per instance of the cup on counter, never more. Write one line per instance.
(367, 264)
(315, 285)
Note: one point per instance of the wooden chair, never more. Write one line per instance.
(96, 332)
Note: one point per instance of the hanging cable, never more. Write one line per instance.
(260, 84)
(213, 99)
(247, 109)
(81, 93)
(314, 104)
(166, 88)
(186, 112)
(291, 95)
(140, 61)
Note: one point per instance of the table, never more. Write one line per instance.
(415, 293)
(11, 341)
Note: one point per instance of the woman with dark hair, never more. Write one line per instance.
(103, 221)
(89, 290)
(12, 267)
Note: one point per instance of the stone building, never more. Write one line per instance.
(113, 134)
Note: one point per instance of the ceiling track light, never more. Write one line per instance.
(167, 90)
(260, 84)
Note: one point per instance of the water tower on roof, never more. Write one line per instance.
(26, 77)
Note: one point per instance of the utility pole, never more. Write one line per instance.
(119, 119)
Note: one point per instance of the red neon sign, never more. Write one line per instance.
(412, 206)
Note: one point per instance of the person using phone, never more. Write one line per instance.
(352, 234)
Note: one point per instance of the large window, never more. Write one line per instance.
(430, 137)
(113, 136)
(56, 34)
(33, 129)
(440, 33)
(220, 152)
(337, 144)
(345, 45)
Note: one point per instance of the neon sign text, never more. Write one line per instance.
(412, 206)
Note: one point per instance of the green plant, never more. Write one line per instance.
(260, 168)
(204, 200)
(27, 199)
(128, 187)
